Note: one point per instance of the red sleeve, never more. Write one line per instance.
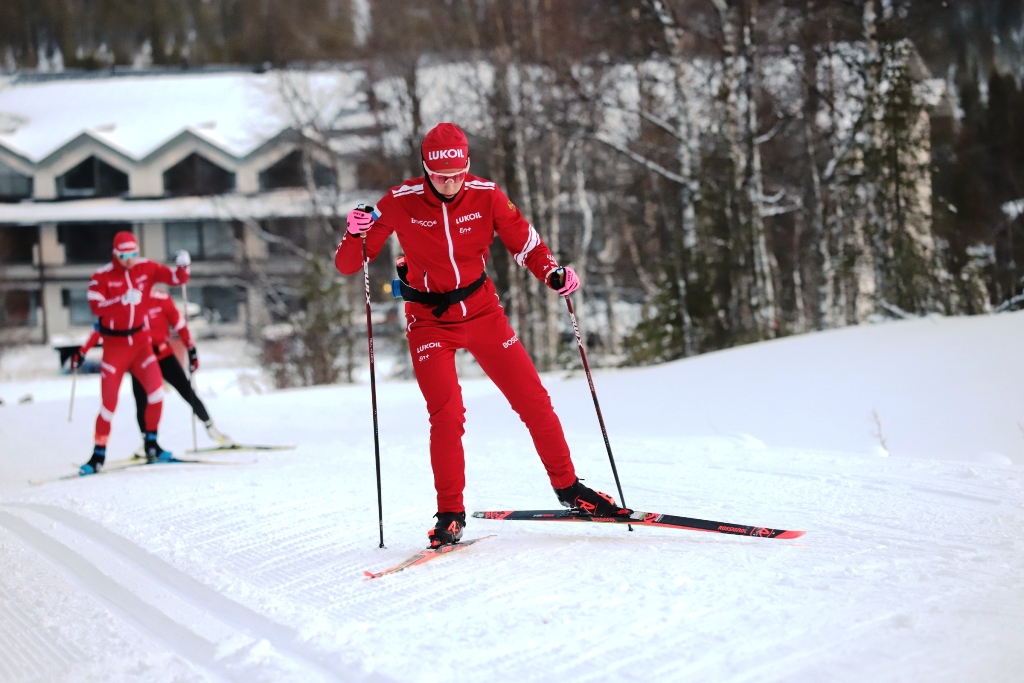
(93, 339)
(176, 321)
(349, 257)
(97, 295)
(177, 276)
(521, 238)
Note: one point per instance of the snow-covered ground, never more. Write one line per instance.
(912, 568)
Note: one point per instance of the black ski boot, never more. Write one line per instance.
(590, 502)
(154, 453)
(99, 456)
(448, 530)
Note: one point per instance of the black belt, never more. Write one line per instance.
(107, 332)
(441, 302)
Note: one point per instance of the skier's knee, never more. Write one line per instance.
(449, 409)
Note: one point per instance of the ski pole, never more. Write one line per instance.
(191, 375)
(593, 392)
(74, 380)
(373, 377)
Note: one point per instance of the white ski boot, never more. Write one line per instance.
(217, 436)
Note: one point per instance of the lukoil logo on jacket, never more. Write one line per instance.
(470, 217)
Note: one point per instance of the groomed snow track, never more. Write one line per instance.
(209, 631)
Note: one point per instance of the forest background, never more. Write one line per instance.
(718, 171)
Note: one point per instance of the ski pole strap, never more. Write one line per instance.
(107, 332)
(440, 301)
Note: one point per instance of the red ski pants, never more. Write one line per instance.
(494, 345)
(134, 354)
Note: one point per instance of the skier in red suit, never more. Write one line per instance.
(445, 221)
(163, 316)
(119, 296)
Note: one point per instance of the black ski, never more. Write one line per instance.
(640, 519)
(236, 447)
(130, 463)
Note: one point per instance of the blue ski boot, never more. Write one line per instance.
(154, 453)
(99, 455)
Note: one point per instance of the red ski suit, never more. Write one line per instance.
(162, 315)
(446, 244)
(127, 344)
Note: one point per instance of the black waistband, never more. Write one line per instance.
(106, 332)
(441, 302)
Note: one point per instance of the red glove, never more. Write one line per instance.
(193, 359)
(77, 359)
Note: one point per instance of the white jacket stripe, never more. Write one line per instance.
(531, 243)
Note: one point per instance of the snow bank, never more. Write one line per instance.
(910, 570)
(942, 388)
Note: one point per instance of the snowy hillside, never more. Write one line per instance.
(912, 568)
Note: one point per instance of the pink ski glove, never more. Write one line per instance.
(359, 221)
(564, 281)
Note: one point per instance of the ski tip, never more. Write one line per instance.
(791, 534)
(369, 575)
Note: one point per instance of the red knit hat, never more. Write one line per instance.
(445, 148)
(125, 241)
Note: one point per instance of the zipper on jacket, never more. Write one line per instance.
(451, 255)
(131, 307)
(451, 247)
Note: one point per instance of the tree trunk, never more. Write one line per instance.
(587, 212)
(764, 287)
(685, 154)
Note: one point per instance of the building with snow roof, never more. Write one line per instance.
(207, 161)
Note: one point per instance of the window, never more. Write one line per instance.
(13, 185)
(18, 308)
(220, 304)
(217, 304)
(77, 303)
(89, 242)
(204, 240)
(289, 172)
(197, 176)
(292, 229)
(16, 243)
(92, 178)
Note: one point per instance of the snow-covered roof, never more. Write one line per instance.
(289, 203)
(137, 114)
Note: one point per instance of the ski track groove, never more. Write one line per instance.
(283, 555)
(288, 554)
(176, 638)
(189, 590)
(26, 655)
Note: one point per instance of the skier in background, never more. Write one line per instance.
(163, 316)
(445, 221)
(119, 294)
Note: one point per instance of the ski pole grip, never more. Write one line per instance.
(366, 208)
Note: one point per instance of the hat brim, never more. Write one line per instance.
(446, 171)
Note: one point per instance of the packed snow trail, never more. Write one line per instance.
(911, 568)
